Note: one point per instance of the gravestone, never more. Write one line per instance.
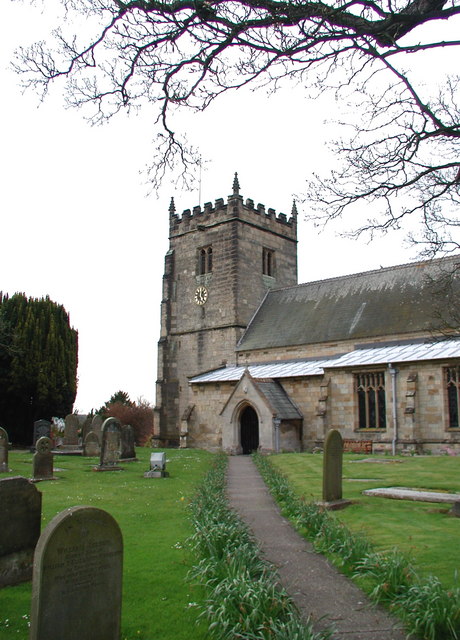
(128, 451)
(86, 427)
(21, 512)
(77, 578)
(43, 460)
(96, 426)
(332, 471)
(110, 446)
(157, 466)
(3, 451)
(72, 425)
(70, 444)
(91, 446)
(41, 428)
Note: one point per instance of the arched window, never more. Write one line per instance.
(453, 389)
(371, 400)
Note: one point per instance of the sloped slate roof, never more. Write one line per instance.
(289, 369)
(416, 352)
(278, 400)
(390, 301)
(396, 353)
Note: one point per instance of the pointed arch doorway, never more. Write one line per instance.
(249, 430)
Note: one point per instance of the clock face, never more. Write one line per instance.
(201, 295)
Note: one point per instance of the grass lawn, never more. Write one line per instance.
(158, 602)
(422, 529)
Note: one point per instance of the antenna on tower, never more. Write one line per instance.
(199, 182)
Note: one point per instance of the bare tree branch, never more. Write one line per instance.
(401, 157)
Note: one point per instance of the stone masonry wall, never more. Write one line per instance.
(196, 338)
(421, 416)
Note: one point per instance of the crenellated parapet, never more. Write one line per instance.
(211, 214)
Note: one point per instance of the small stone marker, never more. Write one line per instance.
(77, 577)
(157, 466)
(41, 428)
(128, 450)
(92, 447)
(3, 451)
(21, 511)
(332, 471)
(111, 446)
(43, 460)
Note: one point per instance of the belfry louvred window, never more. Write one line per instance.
(205, 260)
(268, 262)
(452, 378)
(370, 388)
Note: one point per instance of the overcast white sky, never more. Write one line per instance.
(78, 223)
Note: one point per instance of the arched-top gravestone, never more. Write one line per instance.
(332, 470)
(86, 427)
(92, 447)
(96, 425)
(77, 579)
(43, 460)
(110, 446)
(3, 451)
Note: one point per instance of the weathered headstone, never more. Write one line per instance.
(332, 470)
(41, 428)
(21, 512)
(157, 466)
(110, 446)
(43, 460)
(128, 450)
(96, 426)
(77, 578)
(72, 425)
(86, 426)
(3, 451)
(91, 446)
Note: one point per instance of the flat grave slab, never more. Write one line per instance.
(403, 493)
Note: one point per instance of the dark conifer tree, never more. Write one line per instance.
(38, 363)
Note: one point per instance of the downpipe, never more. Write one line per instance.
(393, 372)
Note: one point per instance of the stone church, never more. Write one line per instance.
(249, 359)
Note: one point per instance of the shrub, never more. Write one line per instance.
(138, 414)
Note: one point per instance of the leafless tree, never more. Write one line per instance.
(401, 158)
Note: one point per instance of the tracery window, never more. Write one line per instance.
(370, 388)
(205, 260)
(268, 262)
(452, 378)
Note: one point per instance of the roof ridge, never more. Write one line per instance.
(397, 267)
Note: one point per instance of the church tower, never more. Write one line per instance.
(221, 261)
